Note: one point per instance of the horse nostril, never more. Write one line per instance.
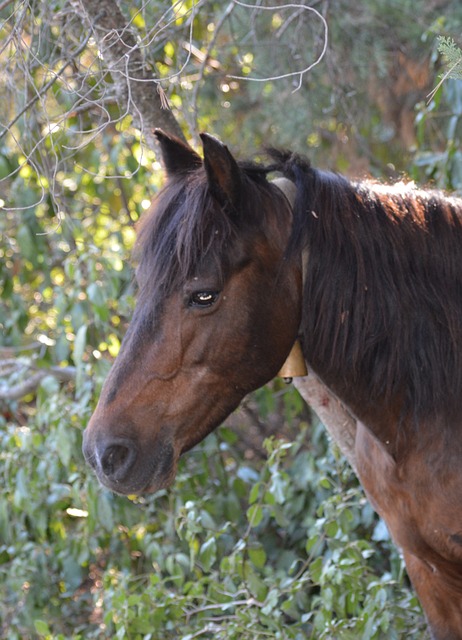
(117, 459)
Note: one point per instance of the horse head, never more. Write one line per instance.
(217, 312)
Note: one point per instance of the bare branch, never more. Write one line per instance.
(137, 88)
(45, 87)
(9, 352)
(290, 74)
(23, 388)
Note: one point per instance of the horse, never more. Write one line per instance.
(233, 269)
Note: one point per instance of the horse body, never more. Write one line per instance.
(395, 360)
(376, 301)
(419, 498)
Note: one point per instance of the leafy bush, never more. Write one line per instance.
(285, 549)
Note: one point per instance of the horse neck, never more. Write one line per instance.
(384, 418)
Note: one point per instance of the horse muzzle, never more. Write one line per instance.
(126, 467)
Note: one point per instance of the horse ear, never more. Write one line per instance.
(177, 156)
(222, 170)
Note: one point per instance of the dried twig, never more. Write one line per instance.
(289, 74)
(46, 87)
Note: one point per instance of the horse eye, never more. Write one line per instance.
(203, 298)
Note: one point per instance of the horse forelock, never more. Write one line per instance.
(188, 229)
(383, 290)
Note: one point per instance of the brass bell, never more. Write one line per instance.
(295, 364)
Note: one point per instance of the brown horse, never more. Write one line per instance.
(368, 277)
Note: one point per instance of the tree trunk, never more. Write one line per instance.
(138, 91)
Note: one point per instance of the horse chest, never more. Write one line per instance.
(416, 497)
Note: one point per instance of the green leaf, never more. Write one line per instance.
(257, 587)
(254, 492)
(5, 168)
(79, 350)
(257, 556)
(316, 569)
(22, 490)
(79, 345)
(254, 515)
(104, 513)
(452, 56)
(208, 553)
(95, 294)
(278, 487)
(41, 627)
(331, 528)
(64, 443)
(314, 543)
(5, 528)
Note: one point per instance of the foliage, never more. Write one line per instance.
(438, 159)
(358, 114)
(285, 547)
(290, 549)
(452, 56)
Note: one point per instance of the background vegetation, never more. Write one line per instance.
(266, 533)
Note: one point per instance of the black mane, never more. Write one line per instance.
(383, 289)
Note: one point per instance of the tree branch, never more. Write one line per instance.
(290, 74)
(218, 26)
(45, 88)
(139, 93)
(21, 389)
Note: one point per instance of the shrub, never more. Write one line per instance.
(237, 549)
